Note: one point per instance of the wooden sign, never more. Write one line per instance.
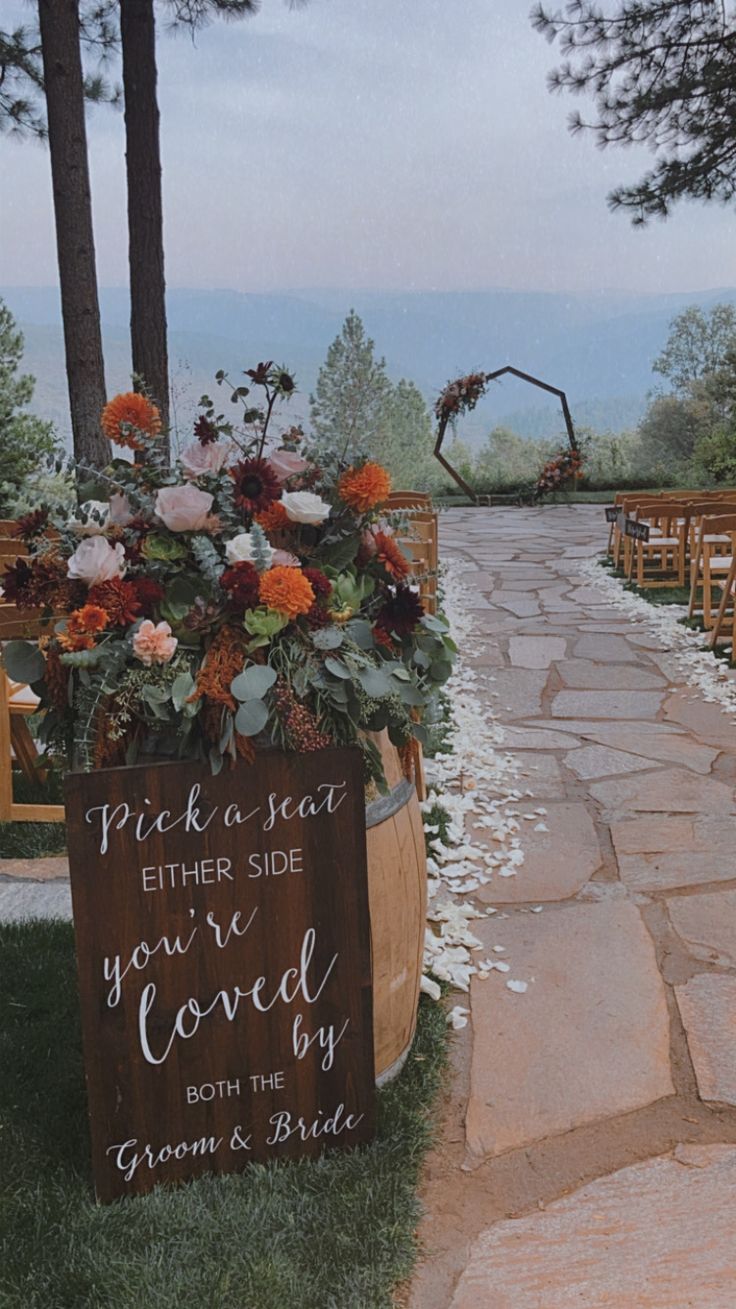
(223, 952)
(611, 513)
(638, 531)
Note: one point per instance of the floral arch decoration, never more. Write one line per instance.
(462, 395)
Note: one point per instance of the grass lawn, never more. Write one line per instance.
(32, 840)
(334, 1234)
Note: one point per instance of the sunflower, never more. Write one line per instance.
(256, 485)
(287, 591)
(364, 488)
(127, 418)
(391, 557)
(401, 612)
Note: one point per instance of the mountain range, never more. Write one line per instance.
(597, 347)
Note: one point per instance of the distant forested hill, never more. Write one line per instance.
(598, 347)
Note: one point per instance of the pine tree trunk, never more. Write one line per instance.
(62, 70)
(145, 210)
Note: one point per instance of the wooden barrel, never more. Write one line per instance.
(397, 890)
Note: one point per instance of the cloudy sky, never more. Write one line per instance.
(384, 144)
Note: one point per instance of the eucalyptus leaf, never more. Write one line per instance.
(251, 718)
(181, 689)
(420, 733)
(422, 659)
(374, 682)
(411, 694)
(337, 668)
(328, 638)
(253, 683)
(23, 661)
(440, 670)
(361, 633)
(434, 624)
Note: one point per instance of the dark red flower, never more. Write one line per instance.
(321, 584)
(241, 581)
(150, 594)
(382, 637)
(119, 599)
(260, 374)
(31, 525)
(256, 485)
(401, 612)
(37, 583)
(205, 430)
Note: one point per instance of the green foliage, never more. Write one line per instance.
(25, 441)
(334, 1233)
(697, 345)
(349, 403)
(714, 456)
(356, 409)
(659, 72)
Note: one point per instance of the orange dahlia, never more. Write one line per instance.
(86, 621)
(129, 415)
(390, 555)
(273, 518)
(286, 590)
(364, 488)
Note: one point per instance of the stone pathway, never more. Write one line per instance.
(588, 1152)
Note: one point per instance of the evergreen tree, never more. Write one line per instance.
(349, 407)
(661, 73)
(407, 440)
(24, 439)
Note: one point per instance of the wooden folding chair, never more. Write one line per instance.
(660, 560)
(18, 703)
(409, 500)
(711, 562)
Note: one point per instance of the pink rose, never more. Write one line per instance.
(284, 559)
(286, 464)
(95, 560)
(184, 508)
(198, 459)
(153, 643)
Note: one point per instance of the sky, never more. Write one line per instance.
(368, 144)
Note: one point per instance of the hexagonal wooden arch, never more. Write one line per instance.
(491, 377)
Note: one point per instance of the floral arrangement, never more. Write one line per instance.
(566, 464)
(460, 396)
(252, 594)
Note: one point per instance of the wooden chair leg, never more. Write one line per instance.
(25, 749)
(723, 606)
(6, 774)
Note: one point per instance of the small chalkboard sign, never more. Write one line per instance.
(223, 952)
(611, 513)
(638, 531)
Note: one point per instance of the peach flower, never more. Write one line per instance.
(198, 459)
(120, 511)
(286, 464)
(95, 560)
(184, 508)
(284, 559)
(153, 643)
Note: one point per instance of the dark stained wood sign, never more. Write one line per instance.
(223, 952)
(612, 513)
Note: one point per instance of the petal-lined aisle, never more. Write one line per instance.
(619, 925)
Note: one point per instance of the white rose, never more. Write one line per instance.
(97, 513)
(95, 560)
(305, 507)
(239, 550)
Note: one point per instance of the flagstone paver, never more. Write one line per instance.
(561, 852)
(707, 926)
(708, 1008)
(536, 651)
(588, 1039)
(658, 1235)
(622, 1047)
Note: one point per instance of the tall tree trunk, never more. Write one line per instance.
(145, 210)
(80, 308)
